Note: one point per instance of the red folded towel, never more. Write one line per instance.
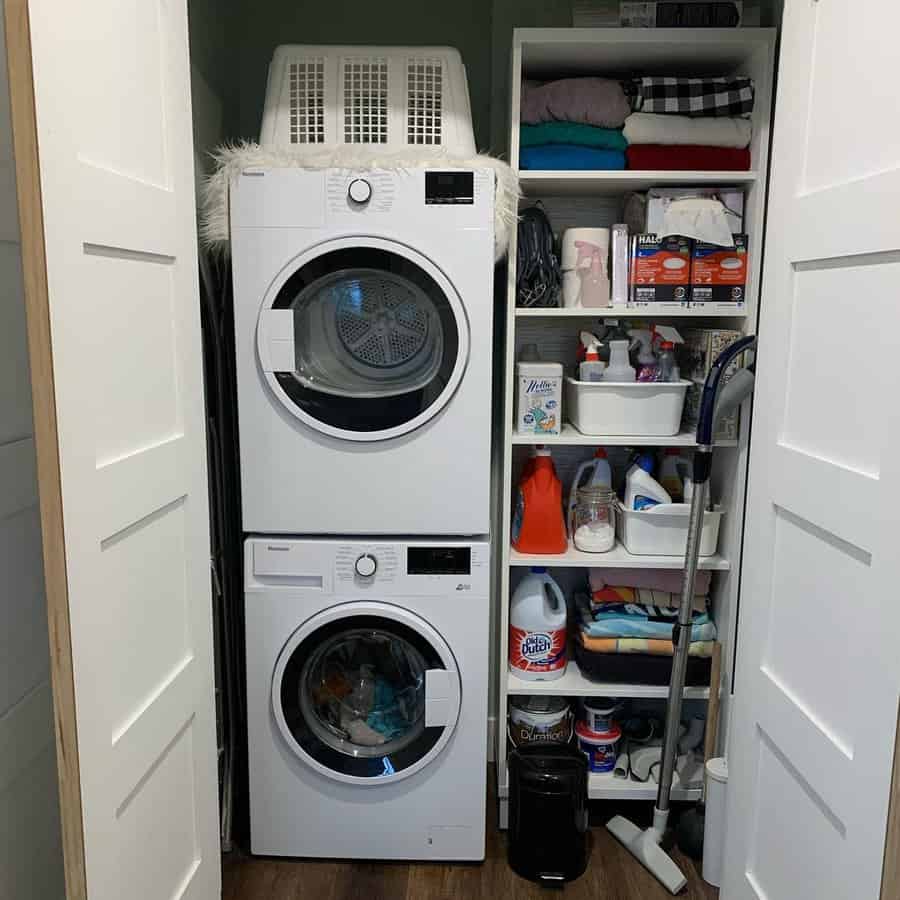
(684, 156)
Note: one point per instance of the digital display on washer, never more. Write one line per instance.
(439, 561)
(449, 187)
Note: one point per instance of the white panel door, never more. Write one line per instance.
(818, 669)
(112, 95)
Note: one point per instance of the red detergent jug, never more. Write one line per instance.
(538, 523)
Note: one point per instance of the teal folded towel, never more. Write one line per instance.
(576, 133)
(569, 156)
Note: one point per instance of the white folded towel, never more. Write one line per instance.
(653, 128)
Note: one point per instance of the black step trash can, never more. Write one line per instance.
(548, 815)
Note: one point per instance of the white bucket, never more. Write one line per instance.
(599, 748)
(598, 713)
(714, 824)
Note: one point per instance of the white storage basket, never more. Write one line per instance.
(390, 97)
(662, 530)
(639, 408)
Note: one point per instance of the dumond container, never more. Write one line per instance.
(548, 812)
(641, 408)
(539, 720)
(662, 530)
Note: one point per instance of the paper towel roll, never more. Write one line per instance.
(599, 237)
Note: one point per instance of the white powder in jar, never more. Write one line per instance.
(595, 537)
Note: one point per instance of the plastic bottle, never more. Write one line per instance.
(591, 369)
(642, 490)
(529, 353)
(647, 363)
(594, 472)
(619, 369)
(537, 628)
(670, 474)
(538, 525)
(668, 366)
(594, 278)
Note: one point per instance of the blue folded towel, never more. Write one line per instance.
(640, 627)
(569, 156)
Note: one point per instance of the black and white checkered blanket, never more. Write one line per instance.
(693, 96)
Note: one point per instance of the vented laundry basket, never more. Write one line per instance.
(390, 97)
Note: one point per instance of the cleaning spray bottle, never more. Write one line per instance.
(668, 365)
(594, 277)
(619, 343)
(592, 472)
(538, 524)
(647, 363)
(642, 490)
(591, 369)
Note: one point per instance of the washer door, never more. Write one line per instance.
(366, 693)
(363, 339)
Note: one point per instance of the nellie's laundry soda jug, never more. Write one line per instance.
(537, 628)
(538, 524)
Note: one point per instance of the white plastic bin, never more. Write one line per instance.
(662, 530)
(625, 408)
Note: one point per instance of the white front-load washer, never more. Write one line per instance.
(367, 695)
(363, 334)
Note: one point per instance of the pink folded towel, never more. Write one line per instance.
(654, 579)
(595, 101)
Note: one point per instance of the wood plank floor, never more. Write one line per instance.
(613, 874)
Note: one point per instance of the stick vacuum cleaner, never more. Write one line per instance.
(714, 404)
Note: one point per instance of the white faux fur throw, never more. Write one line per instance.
(231, 159)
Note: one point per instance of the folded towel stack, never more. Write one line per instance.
(637, 615)
(573, 123)
(689, 124)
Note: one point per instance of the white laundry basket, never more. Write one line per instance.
(390, 97)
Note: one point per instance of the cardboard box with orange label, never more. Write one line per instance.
(719, 273)
(660, 269)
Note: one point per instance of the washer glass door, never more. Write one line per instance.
(379, 338)
(353, 696)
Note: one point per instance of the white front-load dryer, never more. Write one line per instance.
(367, 695)
(363, 335)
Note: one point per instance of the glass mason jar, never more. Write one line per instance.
(595, 519)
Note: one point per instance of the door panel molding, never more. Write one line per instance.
(34, 272)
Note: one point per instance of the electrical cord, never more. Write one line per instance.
(538, 277)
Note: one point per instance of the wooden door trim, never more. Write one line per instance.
(890, 872)
(37, 306)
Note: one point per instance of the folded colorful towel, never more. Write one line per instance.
(595, 101)
(687, 158)
(617, 595)
(629, 626)
(641, 645)
(654, 579)
(650, 128)
(569, 156)
(572, 133)
(693, 96)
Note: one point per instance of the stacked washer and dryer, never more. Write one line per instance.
(363, 328)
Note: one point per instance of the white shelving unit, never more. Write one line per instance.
(595, 198)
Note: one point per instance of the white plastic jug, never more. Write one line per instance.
(537, 628)
(595, 471)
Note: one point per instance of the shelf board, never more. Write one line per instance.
(535, 182)
(617, 558)
(571, 436)
(574, 684)
(606, 786)
(647, 311)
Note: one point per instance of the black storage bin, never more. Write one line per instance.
(548, 814)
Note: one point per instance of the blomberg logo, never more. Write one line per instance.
(464, 587)
(540, 385)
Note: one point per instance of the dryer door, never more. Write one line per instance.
(363, 339)
(366, 693)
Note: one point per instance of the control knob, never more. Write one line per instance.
(366, 565)
(360, 191)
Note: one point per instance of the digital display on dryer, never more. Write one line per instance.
(439, 561)
(449, 187)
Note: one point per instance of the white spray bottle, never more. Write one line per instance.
(619, 368)
(594, 276)
(592, 368)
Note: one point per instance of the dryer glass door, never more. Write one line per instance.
(366, 698)
(363, 339)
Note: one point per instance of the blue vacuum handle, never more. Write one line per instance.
(706, 421)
